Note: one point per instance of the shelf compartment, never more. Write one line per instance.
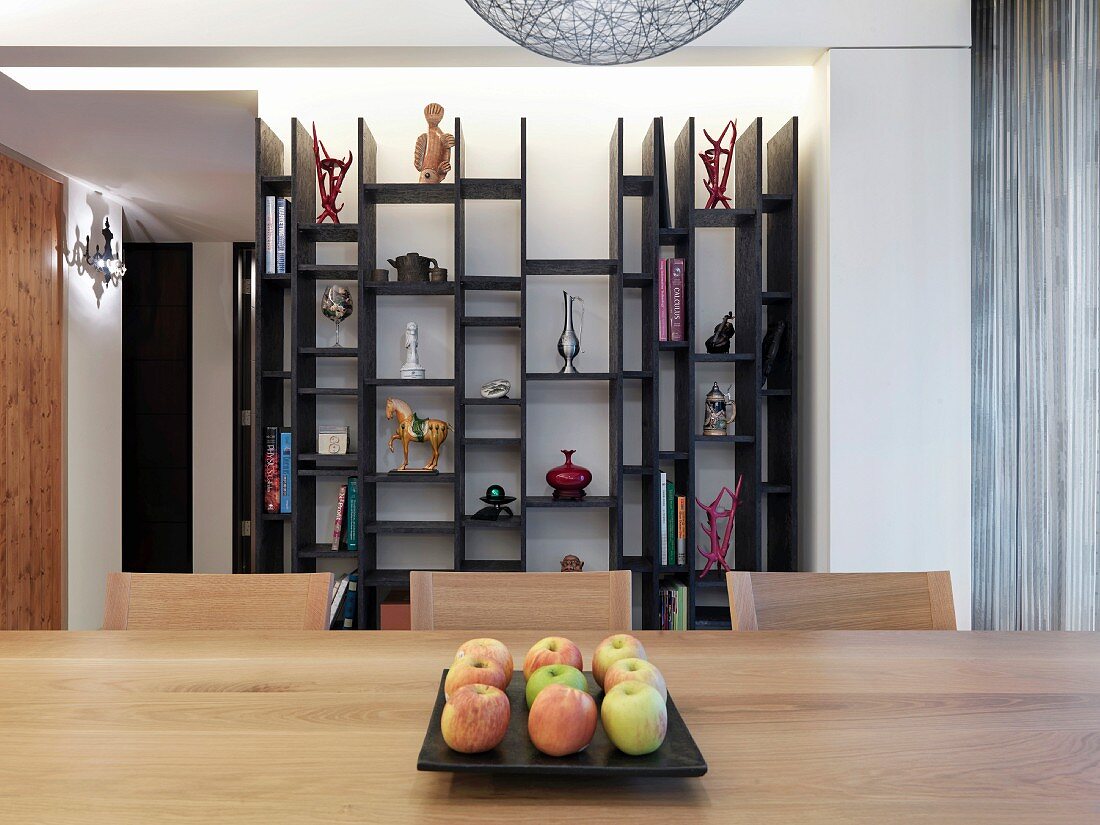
(513, 523)
(441, 193)
(276, 185)
(335, 272)
(569, 376)
(722, 218)
(329, 352)
(491, 189)
(673, 569)
(279, 279)
(492, 566)
(326, 472)
(722, 357)
(349, 460)
(409, 478)
(410, 287)
(349, 392)
(492, 442)
(410, 528)
(505, 283)
(590, 502)
(636, 564)
(637, 185)
(329, 233)
(776, 203)
(508, 321)
(393, 577)
(775, 297)
(492, 402)
(325, 551)
(571, 266)
(724, 439)
(409, 382)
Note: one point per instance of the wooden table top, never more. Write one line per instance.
(878, 727)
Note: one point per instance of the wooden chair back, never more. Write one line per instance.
(185, 601)
(522, 601)
(841, 601)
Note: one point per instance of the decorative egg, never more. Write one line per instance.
(498, 388)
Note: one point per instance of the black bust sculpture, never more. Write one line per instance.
(723, 335)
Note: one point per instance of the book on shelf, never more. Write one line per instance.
(353, 514)
(285, 486)
(282, 209)
(681, 529)
(336, 605)
(271, 469)
(351, 601)
(673, 607)
(676, 299)
(662, 299)
(269, 235)
(670, 520)
(682, 607)
(338, 520)
(663, 532)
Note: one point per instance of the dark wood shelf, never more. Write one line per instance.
(665, 346)
(325, 551)
(492, 402)
(409, 382)
(775, 297)
(492, 189)
(673, 455)
(638, 470)
(776, 203)
(326, 472)
(409, 478)
(636, 280)
(349, 460)
(570, 266)
(506, 321)
(410, 287)
(278, 185)
(329, 232)
(639, 375)
(395, 193)
(265, 516)
(723, 218)
(493, 565)
(724, 439)
(276, 374)
(636, 186)
(673, 236)
(410, 528)
(337, 391)
(513, 523)
(503, 283)
(492, 442)
(769, 489)
(329, 352)
(569, 376)
(392, 578)
(723, 357)
(780, 393)
(280, 279)
(589, 502)
(329, 272)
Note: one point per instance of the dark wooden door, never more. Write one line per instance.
(156, 409)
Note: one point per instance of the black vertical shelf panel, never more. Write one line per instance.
(615, 349)
(268, 406)
(303, 333)
(782, 411)
(523, 343)
(685, 390)
(459, 432)
(367, 447)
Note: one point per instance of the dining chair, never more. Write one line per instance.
(521, 601)
(197, 601)
(840, 601)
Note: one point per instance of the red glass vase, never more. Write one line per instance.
(569, 479)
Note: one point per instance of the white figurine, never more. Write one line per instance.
(412, 368)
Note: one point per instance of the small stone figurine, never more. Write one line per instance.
(432, 156)
(723, 335)
(572, 564)
(412, 368)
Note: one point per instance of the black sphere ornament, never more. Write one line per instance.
(497, 501)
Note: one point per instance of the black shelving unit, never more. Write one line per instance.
(763, 445)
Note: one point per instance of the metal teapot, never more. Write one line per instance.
(413, 266)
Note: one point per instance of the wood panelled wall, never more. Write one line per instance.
(32, 492)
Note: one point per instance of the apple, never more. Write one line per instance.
(562, 720)
(489, 649)
(554, 675)
(635, 670)
(473, 670)
(475, 718)
(611, 649)
(553, 650)
(634, 718)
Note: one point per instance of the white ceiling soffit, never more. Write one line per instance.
(351, 32)
(181, 163)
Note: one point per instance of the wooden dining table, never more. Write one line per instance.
(796, 727)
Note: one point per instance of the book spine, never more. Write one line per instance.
(338, 522)
(681, 529)
(676, 300)
(336, 606)
(271, 470)
(664, 515)
(280, 236)
(353, 514)
(284, 471)
(662, 300)
(269, 234)
(670, 504)
(350, 601)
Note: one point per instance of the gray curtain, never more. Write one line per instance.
(1036, 314)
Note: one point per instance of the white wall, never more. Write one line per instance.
(93, 398)
(893, 275)
(212, 407)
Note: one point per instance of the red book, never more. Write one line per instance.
(676, 300)
(271, 470)
(662, 300)
(338, 524)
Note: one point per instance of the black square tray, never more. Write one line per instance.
(678, 756)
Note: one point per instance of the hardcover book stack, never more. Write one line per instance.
(673, 523)
(670, 299)
(674, 605)
(276, 214)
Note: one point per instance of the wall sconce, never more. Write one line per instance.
(107, 263)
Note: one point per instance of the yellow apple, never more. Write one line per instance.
(634, 718)
(611, 649)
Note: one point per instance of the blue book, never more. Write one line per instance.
(350, 601)
(353, 514)
(284, 471)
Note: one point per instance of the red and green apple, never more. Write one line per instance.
(635, 670)
(610, 650)
(562, 720)
(553, 650)
(475, 718)
(554, 675)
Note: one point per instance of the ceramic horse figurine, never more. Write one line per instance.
(412, 428)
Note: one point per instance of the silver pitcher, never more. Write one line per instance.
(569, 344)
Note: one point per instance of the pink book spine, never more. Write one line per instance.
(662, 300)
(676, 300)
(338, 525)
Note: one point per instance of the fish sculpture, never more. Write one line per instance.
(432, 156)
